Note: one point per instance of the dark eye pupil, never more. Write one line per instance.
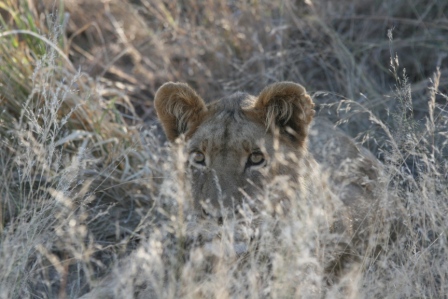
(256, 159)
(198, 157)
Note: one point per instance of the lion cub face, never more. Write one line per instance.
(232, 142)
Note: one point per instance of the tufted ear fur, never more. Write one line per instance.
(287, 107)
(179, 109)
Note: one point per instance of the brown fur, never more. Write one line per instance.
(230, 130)
(286, 106)
(275, 122)
(180, 110)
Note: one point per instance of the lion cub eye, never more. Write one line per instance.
(255, 159)
(197, 158)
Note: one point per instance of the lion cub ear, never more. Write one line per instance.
(286, 106)
(179, 108)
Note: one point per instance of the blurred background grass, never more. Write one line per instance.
(81, 152)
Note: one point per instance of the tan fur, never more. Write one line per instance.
(276, 122)
(287, 105)
(179, 108)
(228, 131)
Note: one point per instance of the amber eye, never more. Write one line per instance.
(197, 157)
(256, 158)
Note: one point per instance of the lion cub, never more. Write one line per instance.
(238, 144)
(232, 142)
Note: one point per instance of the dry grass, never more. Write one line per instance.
(89, 191)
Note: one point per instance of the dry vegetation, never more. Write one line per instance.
(89, 191)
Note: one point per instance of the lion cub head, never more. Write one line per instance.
(232, 142)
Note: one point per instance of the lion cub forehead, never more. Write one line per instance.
(222, 133)
(236, 102)
(227, 126)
